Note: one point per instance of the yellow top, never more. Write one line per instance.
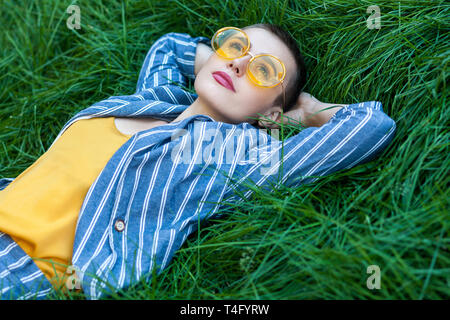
(39, 209)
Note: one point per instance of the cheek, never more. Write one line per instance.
(256, 98)
(249, 99)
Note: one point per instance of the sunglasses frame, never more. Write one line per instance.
(253, 57)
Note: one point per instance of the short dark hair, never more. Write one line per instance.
(295, 87)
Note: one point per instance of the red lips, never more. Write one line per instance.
(224, 79)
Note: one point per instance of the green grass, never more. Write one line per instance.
(313, 242)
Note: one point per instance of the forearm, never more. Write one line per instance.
(311, 112)
(201, 56)
(355, 135)
(170, 60)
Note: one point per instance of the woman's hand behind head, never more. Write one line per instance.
(305, 106)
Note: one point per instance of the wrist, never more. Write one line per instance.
(321, 113)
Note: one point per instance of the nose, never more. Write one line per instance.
(239, 65)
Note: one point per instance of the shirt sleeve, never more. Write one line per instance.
(167, 67)
(170, 60)
(356, 134)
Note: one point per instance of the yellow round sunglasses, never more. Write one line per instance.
(264, 70)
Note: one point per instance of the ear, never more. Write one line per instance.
(273, 114)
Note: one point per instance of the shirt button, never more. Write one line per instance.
(119, 225)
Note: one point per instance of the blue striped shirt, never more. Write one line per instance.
(164, 180)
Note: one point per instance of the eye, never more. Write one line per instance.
(264, 70)
(236, 45)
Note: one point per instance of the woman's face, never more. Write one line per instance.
(247, 99)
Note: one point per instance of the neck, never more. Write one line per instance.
(199, 107)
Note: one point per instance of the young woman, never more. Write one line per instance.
(127, 179)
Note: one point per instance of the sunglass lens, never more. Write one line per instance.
(266, 71)
(230, 43)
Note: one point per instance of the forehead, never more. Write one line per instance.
(264, 41)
